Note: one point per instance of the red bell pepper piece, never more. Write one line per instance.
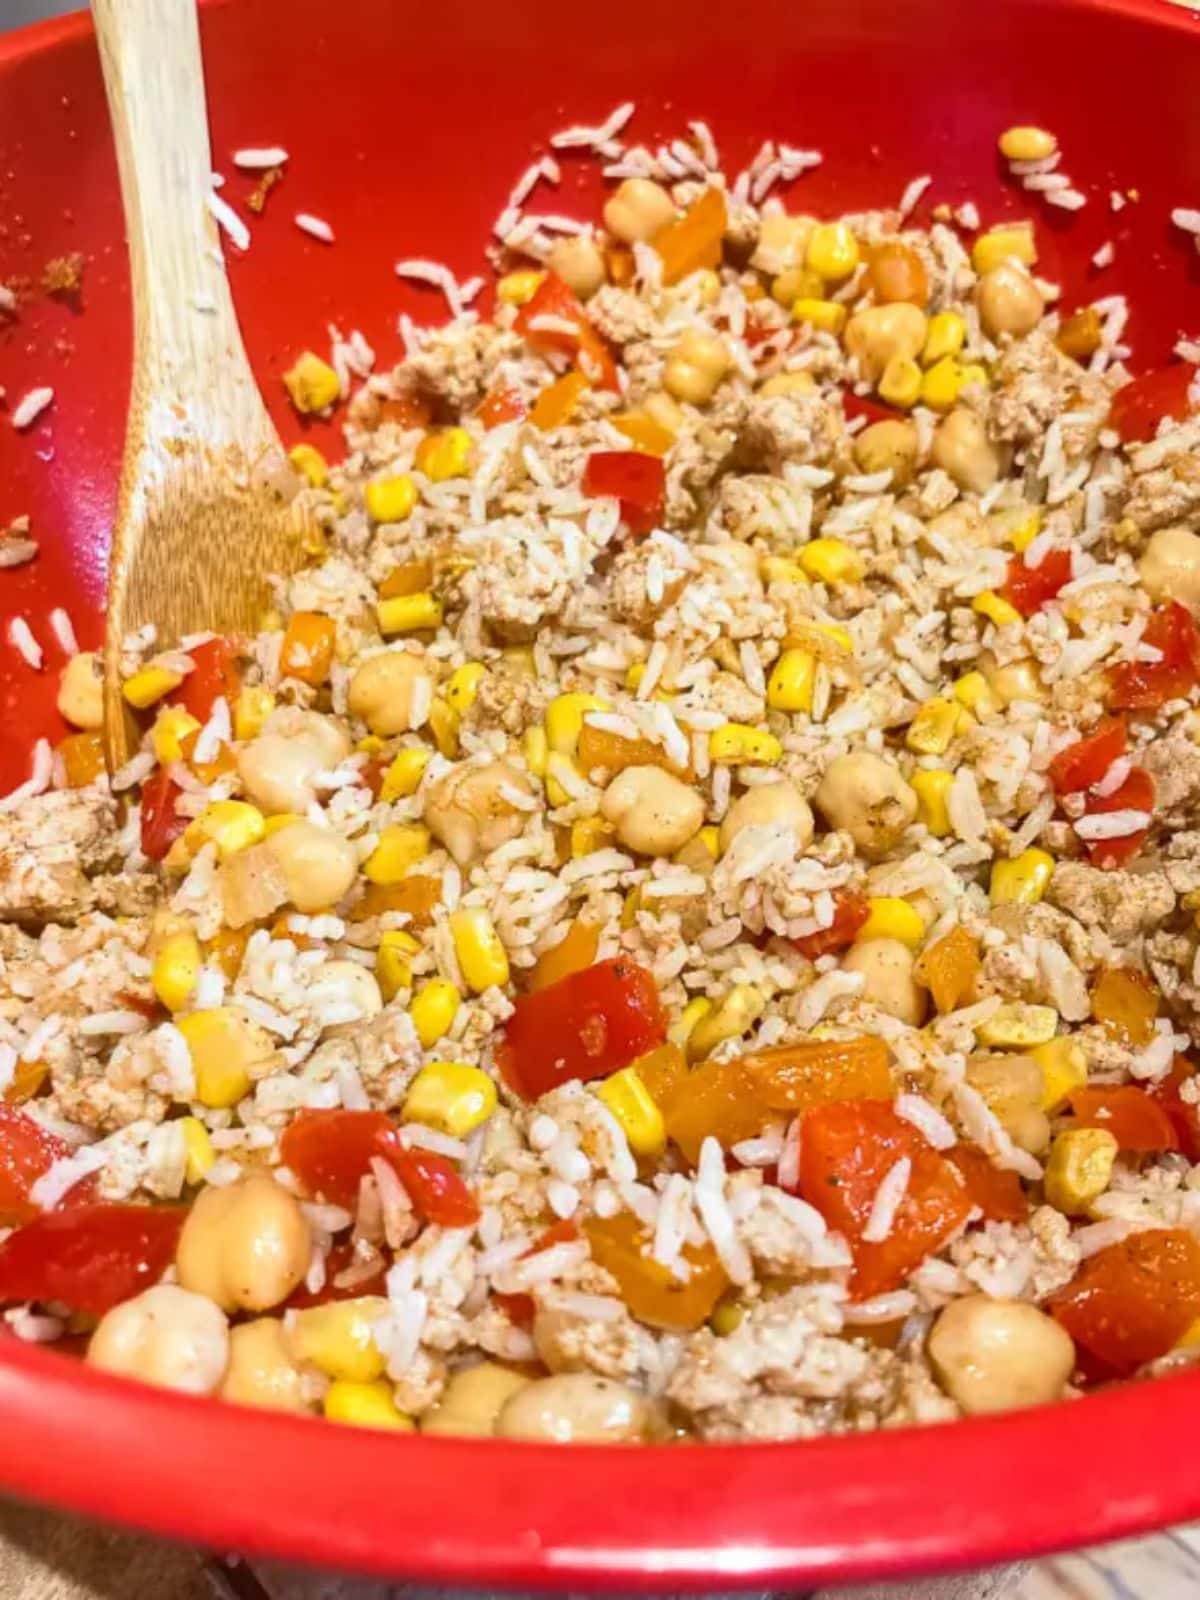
(865, 405)
(1136, 1121)
(847, 1148)
(1184, 1114)
(1140, 406)
(637, 480)
(1132, 1302)
(408, 410)
(27, 1150)
(554, 303)
(435, 1188)
(1147, 685)
(997, 1193)
(1086, 761)
(502, 403)
(850, 912)
(214, 675)
(1135, 794)
(91, 1257)
(160, 825)
(341, 1256)
(1030, 588)
(585, 1026)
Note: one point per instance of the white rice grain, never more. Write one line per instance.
(30, 407)
(20, 636)
(887, 1201)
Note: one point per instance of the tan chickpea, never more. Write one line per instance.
(765, 804)
(638, 210)
(886, 966)
(696, 366)
(1008, 301)
(576, 1408)
(81, 691)
(963, 524)
(1170, 566)
(782, 242)
(349, 986)
(166, 1336)
(317, 864)
(995, 1355)
(653, 812)
(469, 812)
(577, 260)
(892, 446)
(473, 1399)
(1013, 1086)
(882, 333)
(383, 689)
(246, 1245)
(962, 449)
(260, 1371)
(278, 767)
(869, 798)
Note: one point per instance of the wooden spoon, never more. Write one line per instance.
(206, 510)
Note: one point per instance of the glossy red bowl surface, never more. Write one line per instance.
(406, 126)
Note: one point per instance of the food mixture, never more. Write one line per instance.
(684, 922)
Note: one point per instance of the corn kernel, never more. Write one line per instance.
(1011, 243)
(974, 694)
(150, 684)
(945, 336)
(828, 316)
(534, 747)
(627, 1097)
(312, 384)
(251, 709)
(1023, 880)
(481, 955)
(941, 383)
(932, 789)
(281, 819)
(900, 384)
(892, 918)
(401, 845)
(564, 719)
(1027, 144)
(338, 1339)
(171, 727)
(730, 1018)
(796, 283)
(444, 455)
(393, 969)
(790, 686)
(932, 730)
(789, 383)
(1020, 526)
(403, 777)
(710, 837)
(433, 1009)
(836, 634)
(451, 1097)
(995, 608)
(463, 686)
(365, 1405)
(390, 499)
(781, 569)
(1064, 1069)
(225, 1048)
(310, 463)
(973, 375)
(176, 966)
(831, 561)
(727, 1316)
(231, 825)
(198, 1147)
(737, 744)
(589, 834)
(832, 251)
(518, 288)
(680, 1031)
(409, 613)
(444, 725)
(1016, 1026)
(1079, 1168)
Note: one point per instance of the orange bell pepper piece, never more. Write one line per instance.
(557, 401)
(413, 577)
(652, 1293)
(797, 1077)
(574, 951)
(28, 1077)
(661, 1070)
(1137, 1122)
(695, 240)
(949, 969)
(643, 432)
(996, 1192)
(82, 758)
(612, 752)
(228, 945)
(307, 651)
(417, 894)
(1126, 1003)
(1132, 1302)
(718, 1100)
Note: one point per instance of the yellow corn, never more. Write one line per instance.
(1019, 680)
(789, 382)
(444, 725)
(481, 956)
(171, 728)
(891, 918)
(589, 834)
(974, 694)
(973, 375)
(1023, 880)
(312, 384)
(225, 1046)
(1027, 144)
(198, 1145)
(231, 825)
(737, 744)
(826, 315)
(403, 777)
(629, 1100)
(944, 337)
(534, 747)
(1016, 1026)
(932, 790)
(393, 969)
(251, 709)
(310, 463)
(517, 288)
(433, 1009)
(558, 767)
(177, 963)
(941, 383)
(796, 283)
(781, 569)
(337, 1337)
(409, 613)
(281, 819)
(932, 730)
(390, 499)
(564, 719)
(995, 608)
(1019, 526)
(692, 1014)
(401, 845)
(832, 251)
(463, 686)
(1064, 1069)
(730, 1018)
(444, 455)
(790, 686)
(1011, 243)
(1079, 1168)
(831, 561)
(150, 684)
(900, 384)
(834, 633)
(450, 1096)
(1190, 1337)
(727, 1316)
(365, 1405)
(710, 837)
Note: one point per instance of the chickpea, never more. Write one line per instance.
(995, 1355)
(165, 1335)
(638, 210)
(81, 691)
(577, 260)
(891, 445)
(576, 1408)
(327, 737)
(962, 449)
(1008, 301)
(888, 982)
(963, 524)
(469, 813)
(1013, 1086)
(765, 804)
(260, 1371)
(782, 242)
(317, 864)
(383, 689)
(473, 1399)
(246, 1245)
(1019, 680)
(278, 767)
(868, 797)
(351, 987)
(882, 333)
(1170, 566)
(653, 812)
(696, 366)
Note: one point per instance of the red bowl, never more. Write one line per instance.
(406, 127)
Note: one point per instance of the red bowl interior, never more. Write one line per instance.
(406, 128)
